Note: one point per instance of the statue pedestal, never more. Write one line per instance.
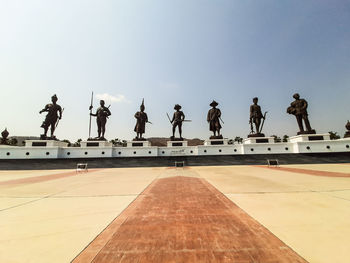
(309, 137)
(95, 144)
(138, 144)
(176, 143)
(45, 143)
(251, 140)
(216, 142)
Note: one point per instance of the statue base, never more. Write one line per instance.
(178, 142)
(138, 143)
(259, 139)
(308, 137)
(45, 143)
(136, 139)
(97, 139)
(172, 138)
(95, 143)
(306, 132)
(347, 134)
(213, 142)
(44, 137)
(216, 137)
(252, 135)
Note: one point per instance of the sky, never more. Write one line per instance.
(167, 52)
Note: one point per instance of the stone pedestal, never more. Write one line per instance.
(176, 143)
(95, 144)
(138, 144)
(45, 143)
(309, 137)
(306, 132)
(216, 142)
(251, 140)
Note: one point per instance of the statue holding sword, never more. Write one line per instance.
(255, 119)
(177, 120)
(141, 120)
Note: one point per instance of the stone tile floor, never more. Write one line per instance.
(191, 214)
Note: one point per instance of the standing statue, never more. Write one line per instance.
(52, 118)
(141, 120)
(299, 109)
(255, 118)
(177, 120)
(102, 114)
(213, 118)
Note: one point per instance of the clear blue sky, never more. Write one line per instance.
(186, 52)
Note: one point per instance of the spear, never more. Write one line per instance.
(92, 97)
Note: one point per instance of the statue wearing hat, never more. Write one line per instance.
(213, 118)
(177, 120)
(102, 114)
(299, 109)
(54, 114)
(141, 120)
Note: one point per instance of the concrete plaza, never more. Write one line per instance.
(300, 211)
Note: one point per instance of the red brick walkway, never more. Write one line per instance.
(184, 219)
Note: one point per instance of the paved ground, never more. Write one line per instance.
(295, 213)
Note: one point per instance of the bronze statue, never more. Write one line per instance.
(213, 118)
(347, 126)
(176, 121)
(255, 118)
(102, 114)
(4, 135)
(52, 118)
(299, 109)
(141, 120)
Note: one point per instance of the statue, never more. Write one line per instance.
(102, 114)
(4, 135)
(176, 121)
(213, 118)
(255, 118)
(299, 109)
(347, 126)
(52, 118)
(141, 120)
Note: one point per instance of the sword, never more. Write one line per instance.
(59, 119)
(149, 122)
(262, 125)
(168, 117)
(222, 120)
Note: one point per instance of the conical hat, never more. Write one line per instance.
(214, 103)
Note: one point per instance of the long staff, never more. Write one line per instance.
(92, 97)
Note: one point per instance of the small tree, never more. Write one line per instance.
(333, 135)
(238, 139)
(276, 138)
(77, 143)
(230, 141)
(13, 141)
(285, 138)
(67, 141)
